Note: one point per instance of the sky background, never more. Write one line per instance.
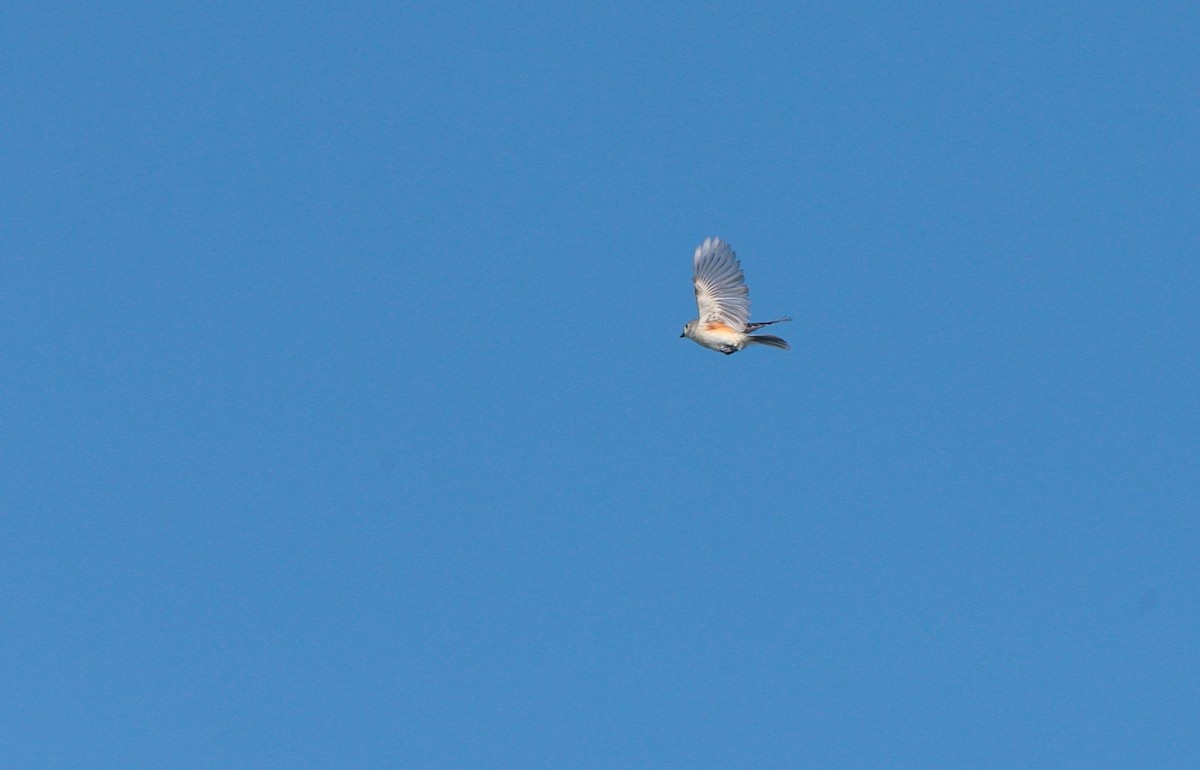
(344, 420)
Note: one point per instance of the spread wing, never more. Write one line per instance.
(721, 293)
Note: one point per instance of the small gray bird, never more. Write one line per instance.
(724, 303)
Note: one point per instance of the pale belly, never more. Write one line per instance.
(719, 339)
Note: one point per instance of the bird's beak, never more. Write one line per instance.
(681, 334)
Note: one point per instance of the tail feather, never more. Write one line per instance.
(770, 340)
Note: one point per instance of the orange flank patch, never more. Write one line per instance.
(717, 326)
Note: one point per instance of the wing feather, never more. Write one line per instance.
(721, 293)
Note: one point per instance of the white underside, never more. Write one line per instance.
(718, 340)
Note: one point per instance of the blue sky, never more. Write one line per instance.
(345, 420)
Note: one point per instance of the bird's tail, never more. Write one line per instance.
(761, 324)
(770, 340)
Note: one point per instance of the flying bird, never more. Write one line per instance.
(724, 303)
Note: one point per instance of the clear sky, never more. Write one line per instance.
(344, 420)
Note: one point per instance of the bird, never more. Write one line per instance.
(724, 303)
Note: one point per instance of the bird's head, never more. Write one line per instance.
(687, 328)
